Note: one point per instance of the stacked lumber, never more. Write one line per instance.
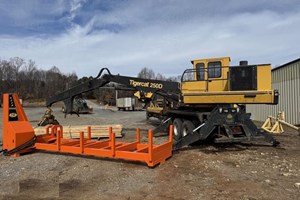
(97, 131)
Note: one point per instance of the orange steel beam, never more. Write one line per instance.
(21, 132)
(149, 153)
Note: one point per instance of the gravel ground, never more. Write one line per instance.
(240, 171)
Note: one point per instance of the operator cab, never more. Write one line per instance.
(214, 81)
(207, 75)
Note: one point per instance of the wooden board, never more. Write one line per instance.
(96, 130)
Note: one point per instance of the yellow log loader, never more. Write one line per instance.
(209, 103)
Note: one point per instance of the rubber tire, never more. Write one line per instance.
(177, 123)
(187, 127)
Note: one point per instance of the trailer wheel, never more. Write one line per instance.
(187, 127)
(177, 128)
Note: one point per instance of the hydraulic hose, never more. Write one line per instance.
(19, 148)
(1, 148)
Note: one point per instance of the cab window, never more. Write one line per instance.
(214, 69)
(200, 70)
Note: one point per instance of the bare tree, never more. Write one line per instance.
(146, 73)
(161, 77)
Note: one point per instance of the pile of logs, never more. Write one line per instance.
(97, 131)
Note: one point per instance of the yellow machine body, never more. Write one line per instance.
(211, 81)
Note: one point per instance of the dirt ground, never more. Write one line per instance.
(240, 171)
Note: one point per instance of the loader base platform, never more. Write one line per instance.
(19, 137)
(149, 153)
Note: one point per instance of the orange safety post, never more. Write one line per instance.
(110, 131)
(150, 145)
(89, 132)
(48, 128)
(55, 128)
(112, 142)
(61, 131)
(58, 139)
(138, 135)
(81, 141)
(171, 130)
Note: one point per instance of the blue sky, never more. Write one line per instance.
(83, 36)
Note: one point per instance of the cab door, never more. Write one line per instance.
(201, 76)
(217, 73)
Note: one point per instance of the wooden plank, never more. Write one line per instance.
(96, 130)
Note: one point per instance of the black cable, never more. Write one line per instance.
(19, 148)
(1, 148)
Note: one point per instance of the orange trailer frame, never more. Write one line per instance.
(53, 140)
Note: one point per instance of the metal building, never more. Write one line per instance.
(285, 78)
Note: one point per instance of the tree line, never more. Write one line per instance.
(148, 73)
(29, 82)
